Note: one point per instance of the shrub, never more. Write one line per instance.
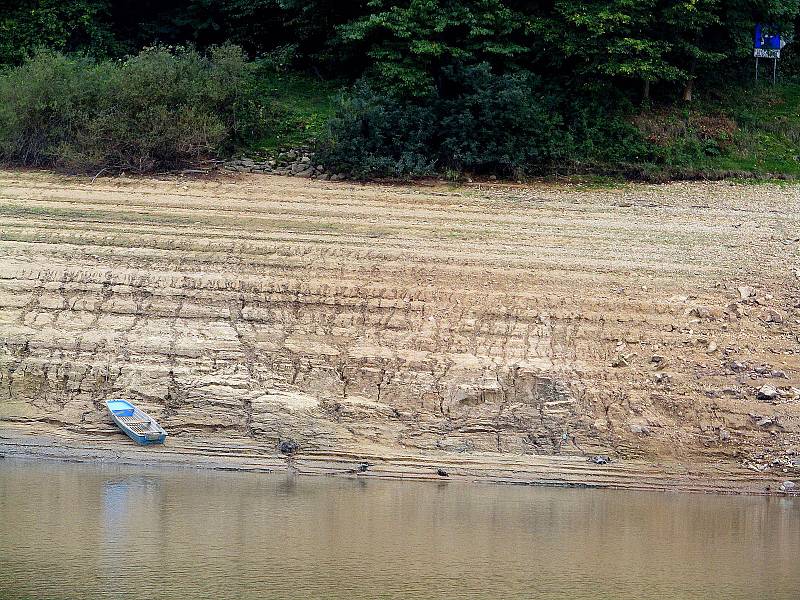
(475, 121)
(160, 109)
(376, 135)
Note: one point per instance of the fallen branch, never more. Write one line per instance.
(98, 174)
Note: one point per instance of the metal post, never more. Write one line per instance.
(774, 70)
(756, 69)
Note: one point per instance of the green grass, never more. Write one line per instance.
(765, 140)
(297, 106)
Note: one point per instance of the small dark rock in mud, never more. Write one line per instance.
(288, 447)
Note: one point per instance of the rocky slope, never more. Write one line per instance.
(649, 322)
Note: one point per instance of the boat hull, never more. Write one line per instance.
(142, 440)
(135, 423)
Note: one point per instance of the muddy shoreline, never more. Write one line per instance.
(496, 333)
(231, 454)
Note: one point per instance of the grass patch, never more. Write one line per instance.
(738, 131)
(296, 106)
(593, 182)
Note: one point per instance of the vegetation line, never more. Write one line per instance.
(653, 89)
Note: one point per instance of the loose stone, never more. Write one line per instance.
(767, 392)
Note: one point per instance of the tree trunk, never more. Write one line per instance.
(646, 90)
(688, 87)
(687, 90)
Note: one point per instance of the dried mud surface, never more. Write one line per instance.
(498, 325)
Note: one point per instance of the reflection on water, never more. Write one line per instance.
(74, 531)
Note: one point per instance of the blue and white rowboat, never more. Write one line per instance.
(137, 424)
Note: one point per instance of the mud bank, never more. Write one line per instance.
(503, 325)
(241, 454)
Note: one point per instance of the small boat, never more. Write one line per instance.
(137, 424)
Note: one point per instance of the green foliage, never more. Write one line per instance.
(739, 133)
(484, 123)
(159, 109)
(615, 38)
(26, 25)
(511, 86)
(296, 108)
(410, 43)
(300, 30)
(373, 134)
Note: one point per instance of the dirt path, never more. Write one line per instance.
(366, 320)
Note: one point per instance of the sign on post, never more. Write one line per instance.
(767, 43)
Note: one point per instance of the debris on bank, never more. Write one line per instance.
(292, 163)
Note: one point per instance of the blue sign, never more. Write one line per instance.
(767, 41)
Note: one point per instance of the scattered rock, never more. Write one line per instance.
(724, 435)
(362, 468)
(640, 429)
(734, 311)
(746, 292)
(704, 312)
(622, 360)
(767, 392)
(298, 163)
(288, 447)
(773, 316)
(737, 367)
(788, 486)
(663, 378)
(711, 348)
(442, 473)
(600, 459)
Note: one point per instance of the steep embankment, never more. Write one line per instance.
(368, 320)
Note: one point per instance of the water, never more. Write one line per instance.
(75, 531)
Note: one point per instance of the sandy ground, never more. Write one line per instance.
(482, 325)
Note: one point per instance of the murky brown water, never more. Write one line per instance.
(81, 532)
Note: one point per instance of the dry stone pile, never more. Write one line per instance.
(294, 163)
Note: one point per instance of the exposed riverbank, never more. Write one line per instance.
(463, 328)
(242, 454)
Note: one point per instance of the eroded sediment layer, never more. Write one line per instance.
(513, 320)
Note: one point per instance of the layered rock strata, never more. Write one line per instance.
(644, 321)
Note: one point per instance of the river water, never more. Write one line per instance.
(73, 531)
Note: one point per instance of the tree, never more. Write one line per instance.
(691, 24)
(26, 25)
(410, 43)
(616, 39)
(706, 33)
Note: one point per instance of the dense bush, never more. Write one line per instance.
(475, 121)
(160, 109)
